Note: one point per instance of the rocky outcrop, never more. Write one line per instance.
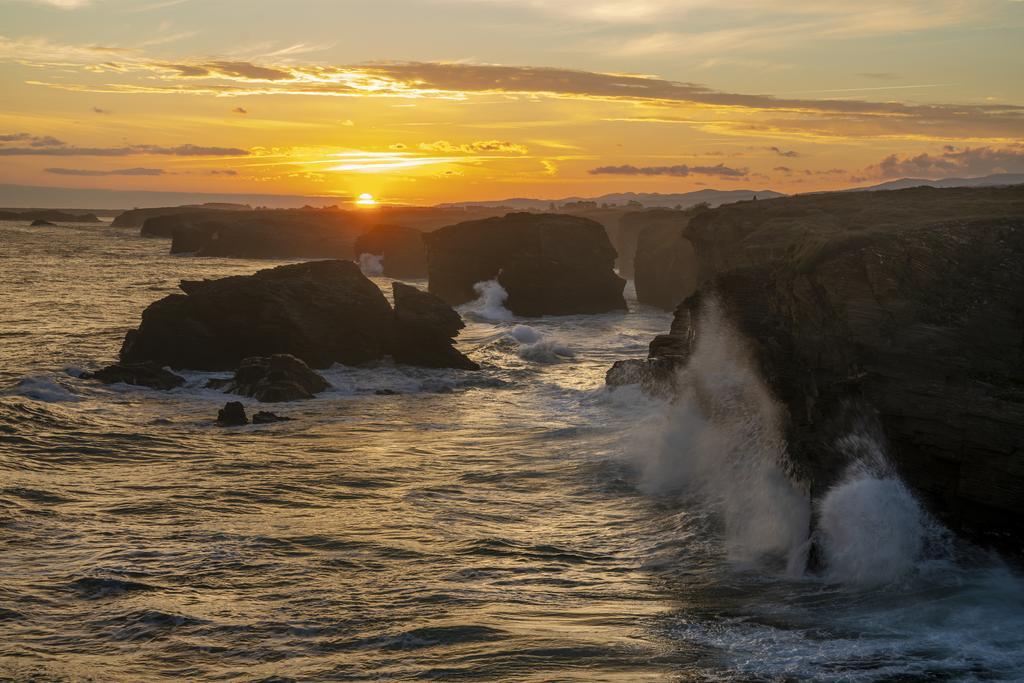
(136, 218)
(143, 374)
(232, 415)
(425, 327)
(402, 251)
(916, 319)
(628, 234)
(273, 379)
(549, 264)
(322, 312)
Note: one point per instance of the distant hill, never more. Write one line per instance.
(648, 199)
(996, 179)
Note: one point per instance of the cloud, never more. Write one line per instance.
(224, 172)
(240, 110)
(783, 153)
(100, 111)
(54, 147)
(967, 161)
(478, 147)
(681, 170)
(119, 171)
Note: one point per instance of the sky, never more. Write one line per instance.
(429, 101)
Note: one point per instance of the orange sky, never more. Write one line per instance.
(443, 100)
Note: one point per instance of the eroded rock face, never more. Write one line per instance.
(402, 249)
(665, 265)
(273, 379)
(549, 264)
(425, 328)
(144, 374)
(321, 312)
(914, 321)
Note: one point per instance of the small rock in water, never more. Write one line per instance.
(273, 379)
(266, 417)
(144, 374)
(386, 392)
(232, 415)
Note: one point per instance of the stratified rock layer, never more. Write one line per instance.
(549, 264)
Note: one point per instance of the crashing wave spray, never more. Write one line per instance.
(539, 348)
(371, 264)
(871, 529)
(490, 302)
(723, 442)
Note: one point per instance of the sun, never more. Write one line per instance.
(366, 199)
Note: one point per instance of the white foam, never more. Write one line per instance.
(372, 265)
(490, 302)
(721, 441)
(537, 347)
(42, 388)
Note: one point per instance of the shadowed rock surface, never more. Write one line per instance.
(322, 312)
(232, 415)
(549, 264)
(402, 249)
(425, 328)
(917, 320)
(144, 374)
(273, 379)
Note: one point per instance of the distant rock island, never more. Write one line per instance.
(47, 216)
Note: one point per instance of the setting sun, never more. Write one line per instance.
(366, 199)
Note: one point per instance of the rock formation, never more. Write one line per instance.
(143, 374)
(48, 216)
(549, 264)
(39, 222)
(136, 218)
(908, 303)
(425, 328)
(232, 415)
(322, 312)
(404, 256)
(273, 379)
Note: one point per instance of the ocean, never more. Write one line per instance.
(520, 523)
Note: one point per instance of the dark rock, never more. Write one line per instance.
(39, 222)
(321, 312)
(907, 305)
(425, 328)
(273, 379)
(144, 374)
(232, 415)
(264, 417)
(386, 392)
(136, 218)
(402, 249)
(628, 234)
(549, 264)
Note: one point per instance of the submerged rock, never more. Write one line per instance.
(549, 264)
(39, 222)
(402, 249)
(321, 312)
(273, 379)
(143, 374)
(265, 417)
(232, 415)
(425, 328)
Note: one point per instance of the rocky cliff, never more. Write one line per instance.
(550, 264)
(908, 305)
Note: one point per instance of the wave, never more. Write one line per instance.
(490, 303)
(372, 265)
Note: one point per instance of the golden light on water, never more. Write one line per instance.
(366, 200)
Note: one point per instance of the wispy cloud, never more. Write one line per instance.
(478, 147)
(48, 146)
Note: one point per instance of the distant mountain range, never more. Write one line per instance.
(649, 199)
(985, 181)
